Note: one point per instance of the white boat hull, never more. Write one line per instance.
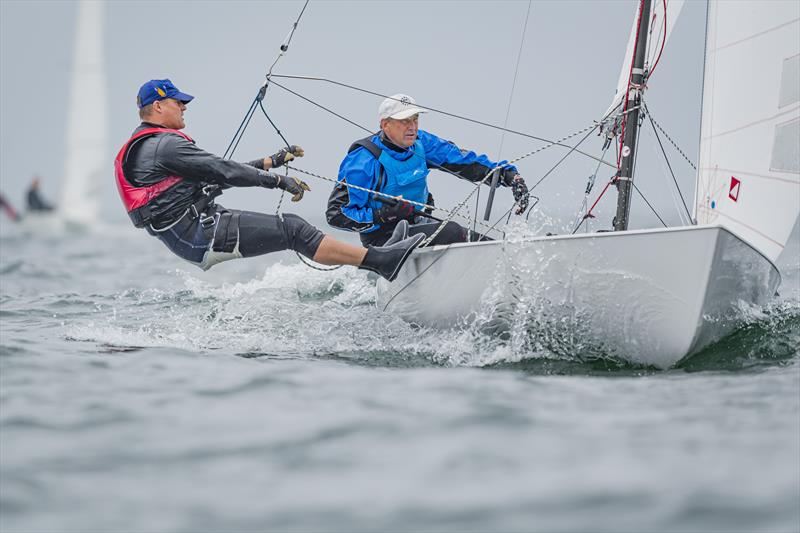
(650, 296)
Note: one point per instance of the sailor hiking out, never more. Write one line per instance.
(168, 186)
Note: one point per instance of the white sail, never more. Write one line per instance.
(661, 23)
(749, 172)
(86, 161)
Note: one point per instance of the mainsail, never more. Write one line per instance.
(86, 160)
(749, 171)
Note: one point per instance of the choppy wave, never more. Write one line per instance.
(294, 311)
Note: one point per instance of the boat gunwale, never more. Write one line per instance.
(600, 235)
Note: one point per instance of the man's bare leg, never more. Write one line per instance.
(333, 252)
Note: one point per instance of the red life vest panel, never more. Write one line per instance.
(136, 199)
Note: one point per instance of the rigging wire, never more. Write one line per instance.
(669, 166)
(459, 206)
(310, 101)
(649, 205)
(258, 102)
(633, 171)
(514, 81)
(287, 41)
(261, 105)
(574, 148)
(589, 186)
(440, 111)
(384, 195)
(663, 42)
(673, 143)
(510, 100)
(451, 213)
(240, 131)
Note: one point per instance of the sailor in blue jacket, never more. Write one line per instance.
(396, 161)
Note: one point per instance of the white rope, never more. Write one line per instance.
(497, 169)
(384, 195)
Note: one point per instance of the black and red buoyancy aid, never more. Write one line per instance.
(136, 199)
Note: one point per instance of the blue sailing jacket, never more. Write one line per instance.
(405, 174)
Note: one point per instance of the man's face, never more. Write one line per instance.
(171, 113)
(403, 132)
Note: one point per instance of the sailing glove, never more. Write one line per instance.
(520, 191)
(293, 186)
(284, 155)
(391, 214)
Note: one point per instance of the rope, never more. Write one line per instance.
(673, 143)
(669, 166)
(240, 130)
(650, 206)
(287, 40)
(454, 212)
(379, 193)
(453, 115)
(591, 129)
(496, 169)
(258, 102)
(663, 41)
(514, 81)
(589, 187)
(320, 106)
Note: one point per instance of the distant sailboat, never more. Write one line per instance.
(87, 128)
(650, 296)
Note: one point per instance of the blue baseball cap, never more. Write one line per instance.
(159, 90)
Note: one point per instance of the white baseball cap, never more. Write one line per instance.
(398, 106)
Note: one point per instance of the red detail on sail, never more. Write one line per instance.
(733, 192)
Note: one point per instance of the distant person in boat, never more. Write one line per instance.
(9, 210)
(35, 200)
(168, 186)
(396, 161)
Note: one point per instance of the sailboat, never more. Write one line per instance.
(87, 126)
(649, 296)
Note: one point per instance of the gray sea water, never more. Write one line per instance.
(140, 394)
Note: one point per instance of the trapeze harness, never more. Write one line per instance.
(185, 238)
(207, 233)
(137, 199)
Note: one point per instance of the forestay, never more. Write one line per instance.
(748, 176)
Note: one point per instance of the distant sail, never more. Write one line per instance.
(659, 34)
(87, 165)
(749, 171)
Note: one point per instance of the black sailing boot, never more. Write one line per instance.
(387, 260)
(400, 233)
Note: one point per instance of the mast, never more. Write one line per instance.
(631, 121)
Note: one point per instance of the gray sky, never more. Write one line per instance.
(456, 56)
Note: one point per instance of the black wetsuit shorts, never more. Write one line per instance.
(221, 234)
